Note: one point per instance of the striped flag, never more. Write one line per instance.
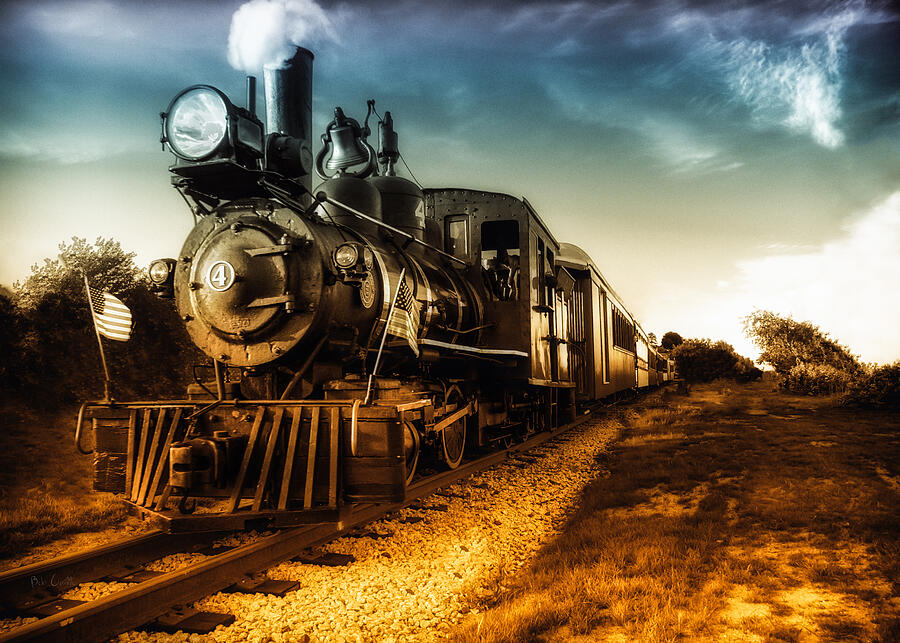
(111, 317)
(404, 319)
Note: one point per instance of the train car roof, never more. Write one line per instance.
(571, 256)
(488, 193)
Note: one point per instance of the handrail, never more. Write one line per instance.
(322, 197)
(78, 422)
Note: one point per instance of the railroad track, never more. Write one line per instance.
(152, 596)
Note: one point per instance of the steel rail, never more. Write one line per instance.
(25, 585)
(134, 606)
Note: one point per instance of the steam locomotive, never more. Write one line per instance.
(356, 330)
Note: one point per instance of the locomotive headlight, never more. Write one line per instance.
(346, 255)
(159, 271)
(196, 122)
(162, 277)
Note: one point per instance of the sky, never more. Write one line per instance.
(712, 157)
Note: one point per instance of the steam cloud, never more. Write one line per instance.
(264, 32)
(797, 88)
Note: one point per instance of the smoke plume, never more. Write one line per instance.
(264, 32)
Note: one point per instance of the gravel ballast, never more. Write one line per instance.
(416, 573)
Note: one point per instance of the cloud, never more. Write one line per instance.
(66, 150)
(558, 16)
(99, 20)
(682, 148)
(846, 286)
(796, 84)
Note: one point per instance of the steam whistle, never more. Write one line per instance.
(387, 138)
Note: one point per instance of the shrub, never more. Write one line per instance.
(745, 370)
(879, 387)
(815, 379)
(784, 343)
(702, 360)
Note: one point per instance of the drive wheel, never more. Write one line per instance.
(411, 450)
(453, 437)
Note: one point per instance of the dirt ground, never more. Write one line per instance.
(735, 513)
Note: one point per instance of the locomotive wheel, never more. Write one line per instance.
(453, 437)
(411, 449)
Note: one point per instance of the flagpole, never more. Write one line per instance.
(87, 289)
(383, 337)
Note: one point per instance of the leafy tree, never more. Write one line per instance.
(10, 350)
(670, 340)
(702, 360)
(58, 344)
(786, 343)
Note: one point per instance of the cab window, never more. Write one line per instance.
(456, 236)
(500, 259)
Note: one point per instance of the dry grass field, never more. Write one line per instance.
(45, 484)
(733, 514)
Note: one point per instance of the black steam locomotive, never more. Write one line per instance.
(354, 330)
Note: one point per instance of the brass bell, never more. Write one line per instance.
(345, 140)
(346, 149)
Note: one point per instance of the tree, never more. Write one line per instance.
(57, 342)
(10, 350)
(670, 340)
(702, 360)
(786, 343)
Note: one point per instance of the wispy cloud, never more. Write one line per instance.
(684, 150)
(795, 84)
(18, 146)
(98, 19)
(554, 16)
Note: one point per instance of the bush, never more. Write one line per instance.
(702, 360)
(879, 387)
(746, 371)
(815, 379)
(785, 343)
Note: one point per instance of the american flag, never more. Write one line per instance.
(404, 319)
(111, 316)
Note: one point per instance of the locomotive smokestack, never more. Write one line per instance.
(289, 103)
(251, 94)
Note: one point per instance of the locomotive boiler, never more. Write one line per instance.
(357, 331)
